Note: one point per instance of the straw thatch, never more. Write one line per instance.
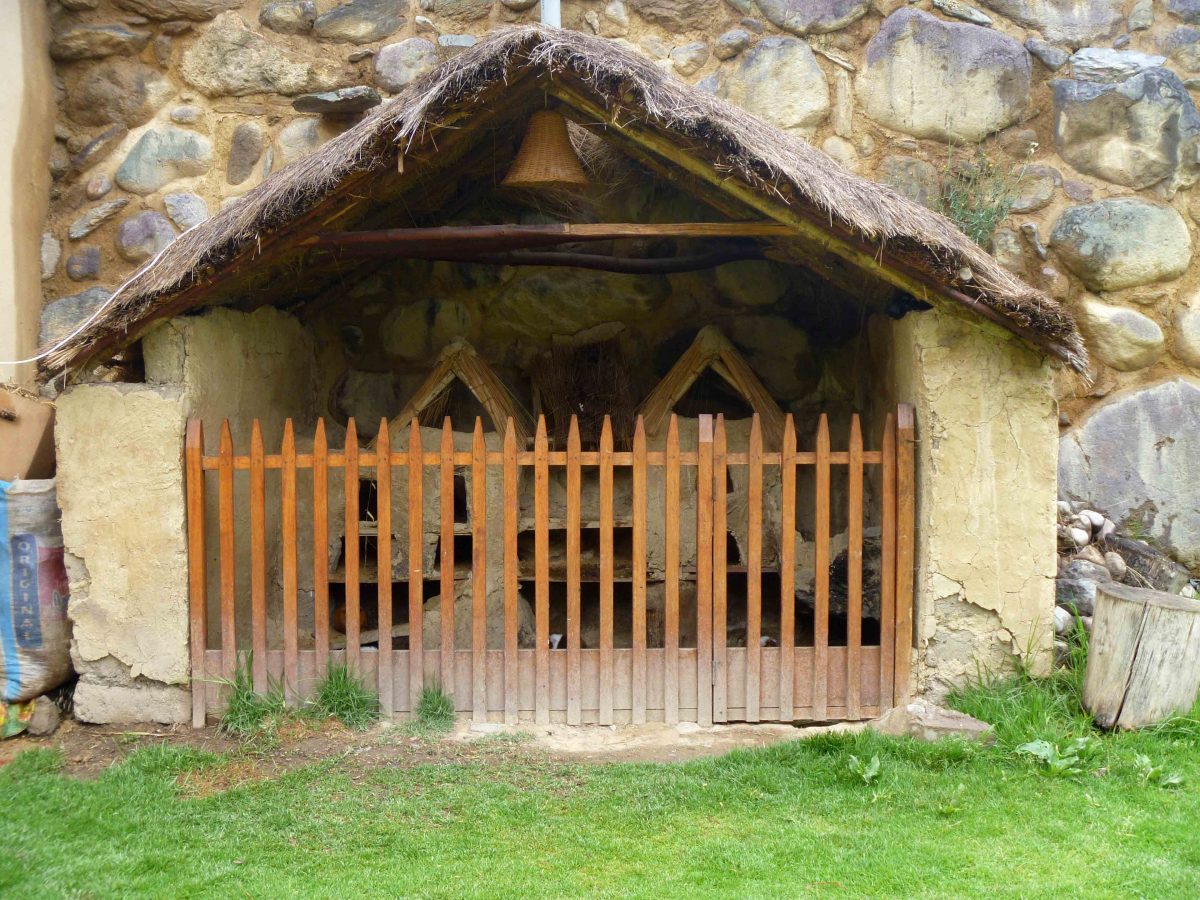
(787, 175)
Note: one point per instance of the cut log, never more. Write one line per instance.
(1144, 659)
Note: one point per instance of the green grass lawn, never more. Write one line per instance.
(798, 819)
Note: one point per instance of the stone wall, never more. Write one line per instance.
(170, 108)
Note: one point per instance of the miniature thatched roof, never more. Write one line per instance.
(630, 102)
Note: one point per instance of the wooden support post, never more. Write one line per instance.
(754, 506)
(671, 566)
(512, 508)
(787, 572)
(574, 496)
(449, 595)
(383, 557)
(321, 547)
(906, 523)
(228, 554)
(351, 555)
(479, 710)
(197, 568)
(820, 679)
(291, 669)
(416, 566)
(704, 544)
(854, 560)
(606, 573)
(720, 574)
(639, 573)
(258, 560)
(887, 579)
(541, 563)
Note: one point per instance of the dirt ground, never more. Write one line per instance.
(90, 749)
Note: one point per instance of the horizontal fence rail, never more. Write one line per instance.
(544, 544)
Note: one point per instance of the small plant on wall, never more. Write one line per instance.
(979, 193)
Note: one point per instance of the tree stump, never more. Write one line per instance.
(1144, 658)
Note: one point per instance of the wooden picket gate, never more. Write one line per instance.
(784, 676)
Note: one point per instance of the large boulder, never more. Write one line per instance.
(677, 15)
(1136, 132)
(812, 16)
(779, 80)
(359, 21)
(62, 316)
(231, 59)
(1122, 243)
(165, 10)
(1134, 459)
(399, 65)
(943, 80)
(1121, 337)
(160, 156)
(114, 91)
(1072, 22)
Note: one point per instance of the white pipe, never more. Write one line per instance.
(552, 13)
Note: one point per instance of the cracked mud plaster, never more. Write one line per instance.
(121, 491)
(987, 444)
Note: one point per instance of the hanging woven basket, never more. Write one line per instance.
(547, 158)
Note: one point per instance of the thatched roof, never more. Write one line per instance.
(777, 174)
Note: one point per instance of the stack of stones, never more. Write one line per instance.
(1093, 550)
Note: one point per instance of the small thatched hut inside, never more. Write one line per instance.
(782, 442)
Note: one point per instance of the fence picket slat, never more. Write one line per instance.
(854, 562)
(228, 560)
(704, 559)
(479, 711)
(574, 499)
(197, 569)
(787, 572)
(258, 559)
(383, 558)
(416, 566)
(754, 547)
(541, 613)
(820, 680)
(320, 466)
(906, 482)
(887, 586)
(720, 575)
(291, 669)
(639, 573)
(671, 565)
(449, 595)
(606, 573)
(512, 507)
(351, 555)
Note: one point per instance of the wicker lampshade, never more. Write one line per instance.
(546, 158)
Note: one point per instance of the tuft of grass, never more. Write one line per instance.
(252, 716)
(435, 713)
(978, 195)
(341, 695)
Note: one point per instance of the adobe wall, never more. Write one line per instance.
(986, 489)
(122, 498)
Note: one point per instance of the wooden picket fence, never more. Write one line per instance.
(706, 683)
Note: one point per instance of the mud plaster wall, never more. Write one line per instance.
(124, 533)
(986, 488)
(242, 366)
(122, 497)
